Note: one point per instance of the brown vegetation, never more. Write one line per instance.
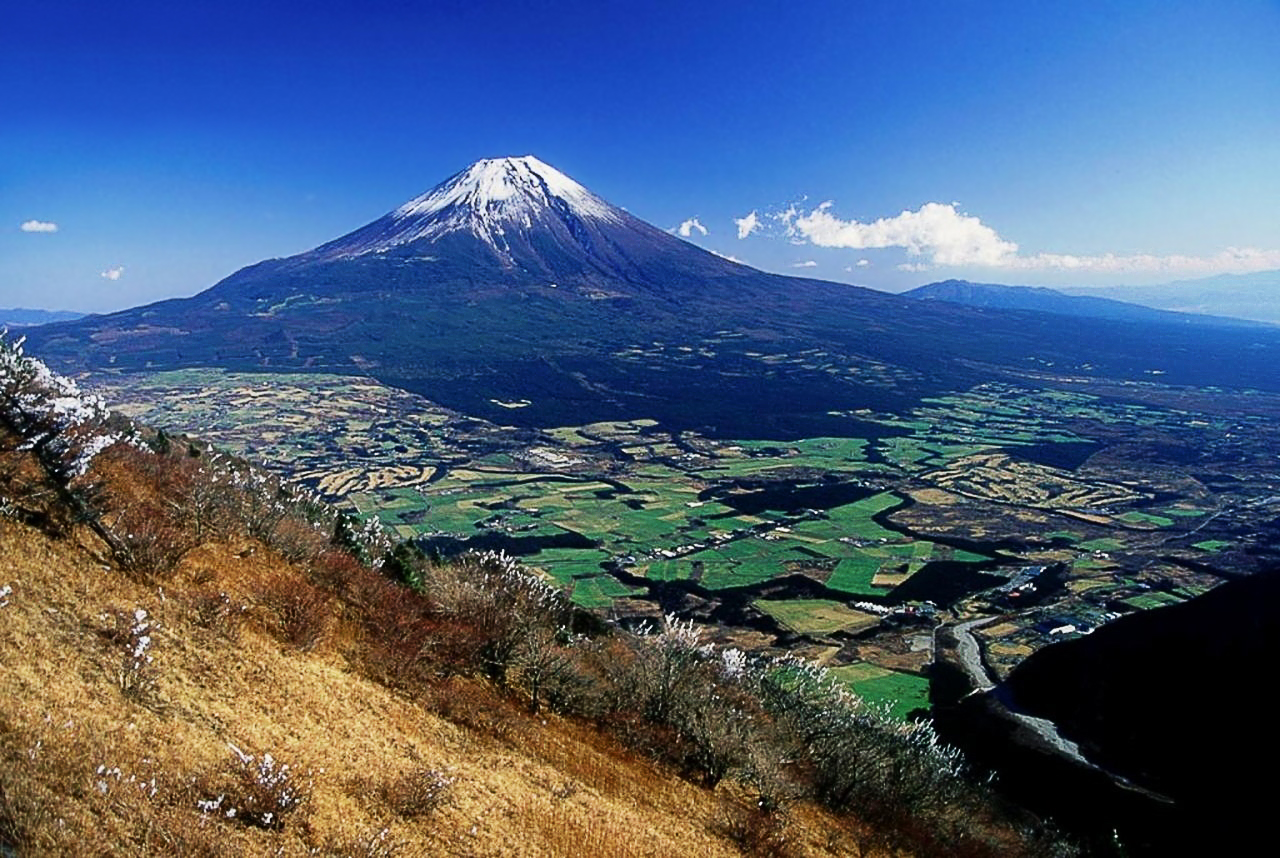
(88, 767)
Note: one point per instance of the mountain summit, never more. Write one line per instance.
(497, 200)
(521, 220)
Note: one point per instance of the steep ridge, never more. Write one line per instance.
(1131, 695)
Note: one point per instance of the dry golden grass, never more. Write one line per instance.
(238, 661)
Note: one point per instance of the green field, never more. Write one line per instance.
(903, 692)
(629, 490)
(1146, 518)
(816, 616)
(600, 591)
(1212, 545)
(1147, 601)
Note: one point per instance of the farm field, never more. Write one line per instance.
(936, 512)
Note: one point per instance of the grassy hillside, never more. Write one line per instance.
(101, 756)
(198, 660)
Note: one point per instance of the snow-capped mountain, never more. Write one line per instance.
(511, 282)
(496, 200)
(523, 221)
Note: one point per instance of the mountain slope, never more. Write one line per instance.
(511, 282)
(100, 758)
(1043, 300)
(1122, 693)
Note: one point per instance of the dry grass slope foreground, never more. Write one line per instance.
(196, 660)
(95, 763)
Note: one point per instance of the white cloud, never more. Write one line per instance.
(938, 234)
(113, 273)
(39, 226)
(862, 263)
(808, 263)
(947, 236)
(687, 228)
(747, 225)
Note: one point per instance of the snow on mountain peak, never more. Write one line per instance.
(507, 183)
(488, 198)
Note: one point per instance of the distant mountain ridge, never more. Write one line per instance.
(1041, 299)
(1245, 296)
(509, 281)
(19, 317)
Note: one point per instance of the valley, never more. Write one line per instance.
(1051, 509)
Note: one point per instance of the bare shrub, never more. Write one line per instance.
(300, 614)
(544, 665)
(690, 713)
(207, 498)
(475, 705)
(499, 602)
(60, 430)
(217, 613)
(769, 771)
(402, 642)
(192, 491)
(666, 668)
(297, 540)
(336, 570)
(757, 832)
(418, 792)
(149, 541)
(131, 634)
(256, 791)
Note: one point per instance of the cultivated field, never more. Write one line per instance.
(924, 515)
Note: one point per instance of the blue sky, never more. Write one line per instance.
(172, 143)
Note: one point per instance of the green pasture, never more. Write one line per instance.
(816, 616)
(1146, 518)
(598, 592)
(1148, 601)
(1212, 545)
(566, 564)
(903, 692)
